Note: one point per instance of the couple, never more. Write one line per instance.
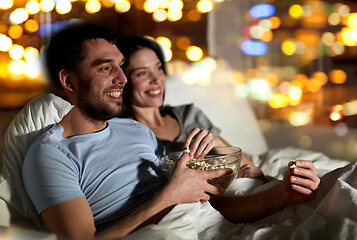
(94, 175)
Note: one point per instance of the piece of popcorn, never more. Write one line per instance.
(293, 165)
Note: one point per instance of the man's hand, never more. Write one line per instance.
(301, 182)
(200, 142)
(188, 185)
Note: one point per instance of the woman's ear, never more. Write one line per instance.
(65, 79)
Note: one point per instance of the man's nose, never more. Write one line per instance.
(120, 77)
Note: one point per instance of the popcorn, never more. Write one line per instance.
(187, 150)
(293, 165)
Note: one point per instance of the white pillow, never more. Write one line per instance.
(27, 125)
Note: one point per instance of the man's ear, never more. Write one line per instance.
(65, 79)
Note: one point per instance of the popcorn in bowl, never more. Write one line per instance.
(218, 157)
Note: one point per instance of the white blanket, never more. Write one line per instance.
(332, 215)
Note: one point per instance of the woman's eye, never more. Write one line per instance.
(141, 74)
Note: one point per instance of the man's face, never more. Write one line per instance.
(100, 80)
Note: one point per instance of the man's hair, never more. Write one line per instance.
(65, 50)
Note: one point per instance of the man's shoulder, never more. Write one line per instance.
(128, 124)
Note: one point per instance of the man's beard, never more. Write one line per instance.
(95, 108)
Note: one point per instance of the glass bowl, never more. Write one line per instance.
(218, 157)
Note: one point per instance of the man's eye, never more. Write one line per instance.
(105, 68)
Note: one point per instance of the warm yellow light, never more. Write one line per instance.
(174, 15)
(296, 11)
(47, 5)
(16, 52)
(321, 77)
(272, 79)
(167, 54)
(238, 78)
(334, 19)
(204, 6)
(164, 42)
(338, 76)
(31, 25)
(32, 7)
(5, 43)
(342, 9)
(31, 54)
(194, 15)
(175, 5)
(63, 7)
(278, 100)
(32, 69)
(288, 47)
(108, 3)
(275, 22)
(328, 38)
(93, 6)
(314, 85)
(267, 36)
(15, 31)
(159, 15)
(18, 16)
(351, 20)
(348, 37)
(163, 4)
(300, 118)
(183, 42)
(335, 116)
(17, 67)
(295, 93)
(151, 6)
(194, 53)
(6, 4)
(122, 6)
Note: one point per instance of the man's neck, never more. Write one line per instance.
(76, 123)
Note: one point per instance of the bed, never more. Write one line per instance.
(335, 208)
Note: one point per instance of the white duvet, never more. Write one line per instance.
(332, 215)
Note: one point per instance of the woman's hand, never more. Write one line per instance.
(200, 142)
(251, 171)
(301, 182)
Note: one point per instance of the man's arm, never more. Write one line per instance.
(73, 219)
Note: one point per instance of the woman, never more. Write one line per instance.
(178, 127)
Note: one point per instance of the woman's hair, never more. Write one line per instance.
(129, 46)
(65, 50)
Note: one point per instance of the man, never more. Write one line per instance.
(93, 174)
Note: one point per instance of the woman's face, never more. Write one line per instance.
(146, 78)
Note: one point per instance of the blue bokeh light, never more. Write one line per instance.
(262, 11)
(254, 48)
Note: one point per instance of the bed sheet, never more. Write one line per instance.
(332, 215)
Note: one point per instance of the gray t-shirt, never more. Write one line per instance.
(114, 169)
(188, 117)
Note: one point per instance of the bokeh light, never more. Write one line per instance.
(194, 53)
(18, 16)
(15, 31)
(204, 6)
(93, 6)
(16, 52)
(6, 4)
(32, 7)
(338, 76)
(47, 5)
(122, 6)
(63, 7)
(5, 43)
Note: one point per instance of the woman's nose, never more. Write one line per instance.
(155, 78)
